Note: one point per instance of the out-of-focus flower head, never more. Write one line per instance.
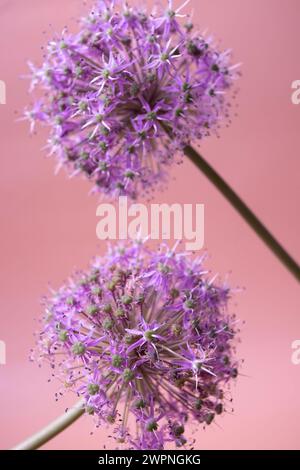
(145, 338)
(127, 91)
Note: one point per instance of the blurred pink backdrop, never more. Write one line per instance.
(48, 223)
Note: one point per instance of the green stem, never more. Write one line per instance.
(244, 211)
(52, 429)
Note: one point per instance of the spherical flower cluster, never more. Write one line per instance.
(128, 91)
(145, 338)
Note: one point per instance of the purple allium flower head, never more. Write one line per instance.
(159, 355)
(127, 91)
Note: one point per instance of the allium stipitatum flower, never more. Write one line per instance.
(145, 338)
(127, 91)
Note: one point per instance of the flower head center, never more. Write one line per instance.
(197, 366)
(99, 117)
(93, 389)
(149, 335)
(78, 349)
(117, 360)
(151, 425)
(128, 375)
(164, 56)
(171, 14)
(151, 116)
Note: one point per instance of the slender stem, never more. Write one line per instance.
(244, 211)
(52, 429)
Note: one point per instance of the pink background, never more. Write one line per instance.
(48, 223)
